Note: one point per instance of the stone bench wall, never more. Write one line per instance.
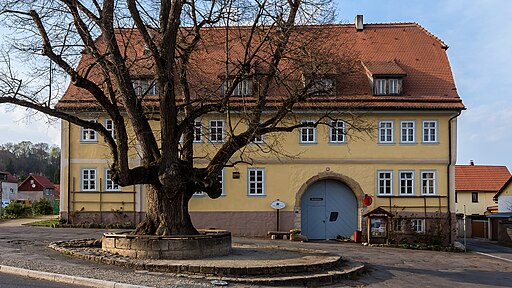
(159, 247)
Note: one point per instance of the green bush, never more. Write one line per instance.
(14, 210)
(42, 207)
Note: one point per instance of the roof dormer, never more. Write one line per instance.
(386, 78)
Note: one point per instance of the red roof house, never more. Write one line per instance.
(35, 187)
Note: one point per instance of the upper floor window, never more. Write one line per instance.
(88, 135)
(307, 134)
(89, 178)
(407, 131)
(384, 182)
(430, 131)
(474, 197)
(321, 86)
(216, 134)
(109, 125)
(382, 86)
(406, 182)
(428, 182)
(198, 132)
(256, 181)
(109, 184)
(145, 87)
(337, 132)
(243, 88)
(386, 132)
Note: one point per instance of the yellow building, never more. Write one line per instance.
(391, 138)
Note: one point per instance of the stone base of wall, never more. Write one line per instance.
(208, 244)
(244, 223)
(238, 223)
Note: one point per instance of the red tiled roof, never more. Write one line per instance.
(384, 68)
(41, 180)
(10, 177)
(415, 52)
(480, 177)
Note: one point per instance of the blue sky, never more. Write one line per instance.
(479, 33)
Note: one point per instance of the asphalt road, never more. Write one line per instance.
(26, 247)
(490, 249)
(14, 281)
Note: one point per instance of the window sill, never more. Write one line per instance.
(308, 143)
(430, 143)
(409, 143)
(256, 196)
(89, 142)
(338, 143)
(386, 143)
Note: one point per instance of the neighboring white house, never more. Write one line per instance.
(504, 197)
(9, 187)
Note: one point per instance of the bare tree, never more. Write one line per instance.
(198, 55)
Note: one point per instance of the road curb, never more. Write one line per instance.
(54, 277)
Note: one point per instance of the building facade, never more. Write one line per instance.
(401, 90)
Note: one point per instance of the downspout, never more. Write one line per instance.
(448, 174)
(69, 169)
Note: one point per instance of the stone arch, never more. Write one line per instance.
(351, 183)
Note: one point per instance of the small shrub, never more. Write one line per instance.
(42, 207)
(14, 210)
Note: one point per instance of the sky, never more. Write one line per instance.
(479, 34)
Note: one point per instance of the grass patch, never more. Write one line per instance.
(45, 223)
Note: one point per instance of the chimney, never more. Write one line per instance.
(358, 21)
(471, 163)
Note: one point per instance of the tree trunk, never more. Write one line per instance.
(167, 212)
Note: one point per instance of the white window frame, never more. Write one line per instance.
(309, 132)
(398, 225)
(109, 125)
(429, 132)
(258, 184)
(337, 132)
(381, 86)
(216, 133)
(243, 88)
(386, 131)
(86, 181)
(410, 181)
(222, 184)
(108, 182)
(408, 131)
(414, 225)
(145, 87)
(381, 180)
(258, 139)
(197, 131)
(92, 135)
(429, 183)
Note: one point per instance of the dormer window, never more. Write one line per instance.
(243, 88)
(320, 85)
(392, 86)
(145, 87)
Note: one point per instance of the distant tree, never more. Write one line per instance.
(24, 158)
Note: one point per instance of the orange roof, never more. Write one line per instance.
(403, 48)
(480, 177)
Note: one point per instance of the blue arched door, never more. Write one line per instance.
(329, 208)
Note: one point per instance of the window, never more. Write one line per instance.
(428, 182)
(387, 86)
(198, 132)
(321, 86)
(220, 177)
(418, 225)
(88, 135)
(145, 87)
(385, 131)
(109, 184)
(307, 134)
(407, 132)
(258, 139)
(256, 181)
(243, 88)
(337, 131)
(89, 177)
(406, 182)
(398, 225)
(474, 197)
(216, 131)
(429, 131)
(109, 125)
(384, 182)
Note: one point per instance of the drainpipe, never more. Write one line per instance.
(448, 173)
(69, 169)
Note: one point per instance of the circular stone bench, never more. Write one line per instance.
(208, 243)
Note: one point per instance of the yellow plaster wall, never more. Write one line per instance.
(484, 200)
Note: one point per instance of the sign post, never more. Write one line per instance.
(278, 205)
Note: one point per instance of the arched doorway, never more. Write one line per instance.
(328, 208)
